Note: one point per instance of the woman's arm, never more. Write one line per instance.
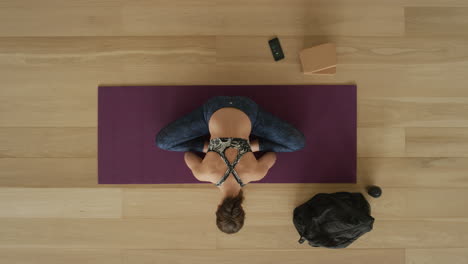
(265, 162)
(268, 160)
(193, 161)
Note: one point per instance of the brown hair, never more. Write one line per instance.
(230, 215)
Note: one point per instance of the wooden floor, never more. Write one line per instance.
(409, 59)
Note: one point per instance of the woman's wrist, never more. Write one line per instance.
(254, 145)
(205, 147)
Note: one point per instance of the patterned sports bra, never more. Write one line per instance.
(219, 145)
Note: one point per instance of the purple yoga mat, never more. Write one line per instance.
(130, 117)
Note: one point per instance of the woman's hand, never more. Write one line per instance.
(254, 145)
(205, 147)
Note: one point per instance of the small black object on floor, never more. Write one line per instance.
(276, 49)
(374, 191)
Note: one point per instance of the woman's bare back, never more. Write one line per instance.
(230, 122)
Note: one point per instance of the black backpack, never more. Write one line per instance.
(333, 220)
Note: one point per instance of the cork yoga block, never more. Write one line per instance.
(319, 59)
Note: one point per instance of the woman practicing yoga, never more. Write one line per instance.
(229, 120)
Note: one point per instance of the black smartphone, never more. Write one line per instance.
(276, 49)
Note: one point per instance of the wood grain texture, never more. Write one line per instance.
(198, 233)
(436, 256)
(107, 51)
(60, 203)
(33, 142)
(433, 172)
(413, 112)
(54, 20)
(436, 3)
(416, 234)
(75, 66)
(48, 111)
(166, 203)
(421, 204)
(48, 172)
(395, 204)
(276, 234)
(387, 256)
(350, 50)
(437, 142)
(434, 21)
(381, 142)
(133, 18)
(60, 256)
(256, 19)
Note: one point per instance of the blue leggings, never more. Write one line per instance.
(189, 132)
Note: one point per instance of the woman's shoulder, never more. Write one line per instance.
(256, 174)
(209, 170)
(203, 174)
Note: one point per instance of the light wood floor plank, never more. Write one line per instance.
(275, 234)
(280, 201)
(47, 142)
(60, 203)
(55, 81)
(167, 203)
(350, 50)
(437, 255)
(58, 80)
(55, 20)
(202, 18)
(381, 142)
(437, 142)
(59, 3)
(395, 204)
(414, 172)
(48, 172)
(103, 51)
(83, 63)
(60, 256)
(228, 19)
(36, 110)
(417, 204)
(415, 234)
(433, 21)
(313, 256)
(198, 233)
(413, 112)
(434, 3)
